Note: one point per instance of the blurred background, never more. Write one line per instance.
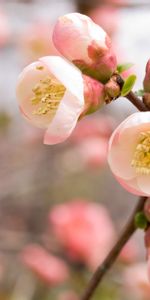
(61, 209)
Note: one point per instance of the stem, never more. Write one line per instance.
(110, 259)
(136, 101)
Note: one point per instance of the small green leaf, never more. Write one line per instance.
(128, 85)
(140, 220)
(124, 67)
(140, 93)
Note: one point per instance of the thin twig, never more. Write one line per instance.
(110, 259)
(136, 102)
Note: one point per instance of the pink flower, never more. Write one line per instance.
(4, 29)
(36, 41)
(105, 16)
(93, 152)
(50, 269)
(129, 253)
(129, 153)
(86, 44)
(136, 281)
(52, 94)
(84, 229)
(97, 127)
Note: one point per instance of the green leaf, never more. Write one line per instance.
(140, 93)
(128, 85)
(140, 220)
(124, 67)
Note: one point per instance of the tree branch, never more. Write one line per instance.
(136, 102)
(110, 259)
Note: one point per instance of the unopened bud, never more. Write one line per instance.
(112, 89)
(86, 44)
(93, 94)
(146, 99)
(146, 82)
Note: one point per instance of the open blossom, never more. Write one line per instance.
(86, 44)
(129, 153)
(36, 41)
(84, 229)
(136, 281)
(50, 269)
(52, 94)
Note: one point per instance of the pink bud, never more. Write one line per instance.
(147, 238)
(147, 209)
(86, 44)
(146, 99)
(146, 81)
(93, 94)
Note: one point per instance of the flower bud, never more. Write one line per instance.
(147, 238)
(146, 82)
(86, 44)
(93, 94)
(146, 99)
(112, 89)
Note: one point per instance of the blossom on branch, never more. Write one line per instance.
(129, 153)
(53, 94)
(86, 44)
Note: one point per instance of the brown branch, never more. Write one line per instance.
(135, 100)
(112, 256)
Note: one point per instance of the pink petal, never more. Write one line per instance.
(144, 183)
(131, 186)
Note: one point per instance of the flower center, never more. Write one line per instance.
(141, 158)
(47, 96)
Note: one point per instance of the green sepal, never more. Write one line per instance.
(141, 221)
(124, 67)
(128, 85)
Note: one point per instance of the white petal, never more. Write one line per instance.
(27, 80)
(67, 74)
(64, 121)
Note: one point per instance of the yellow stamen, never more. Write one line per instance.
(47, 96)
(141, 158)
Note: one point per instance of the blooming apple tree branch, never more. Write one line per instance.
(55, 92)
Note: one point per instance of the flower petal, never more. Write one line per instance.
(28, 79)
(144, 183)
(131, 186)
(69, 75)
(64, 121)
